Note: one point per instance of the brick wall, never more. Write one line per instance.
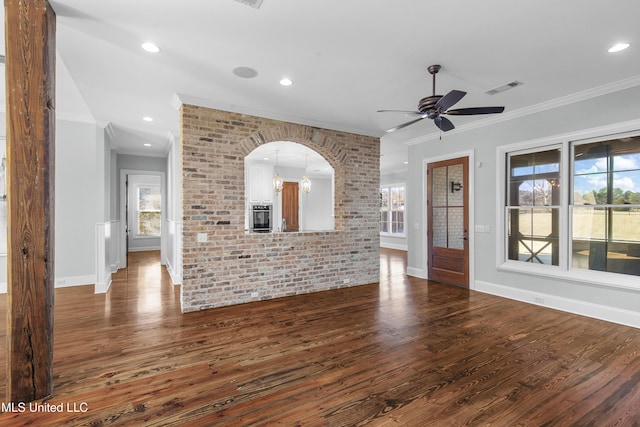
(233, 264)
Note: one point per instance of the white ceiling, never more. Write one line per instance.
(347, 58)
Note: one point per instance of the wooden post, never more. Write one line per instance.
(30, 86)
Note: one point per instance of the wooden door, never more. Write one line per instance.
(448, 224)
(290, 205)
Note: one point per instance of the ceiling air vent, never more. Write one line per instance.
(502, 88)
(253, 3)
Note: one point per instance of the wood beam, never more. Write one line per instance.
(30, 85)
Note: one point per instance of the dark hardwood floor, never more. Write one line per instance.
(402, 352)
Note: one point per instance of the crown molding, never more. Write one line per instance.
(109, 129)
(537, 108)
(176, 101)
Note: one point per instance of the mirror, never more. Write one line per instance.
(301, 211)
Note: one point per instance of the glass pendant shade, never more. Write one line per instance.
(305, 184)
(277, 183)
(277, 179)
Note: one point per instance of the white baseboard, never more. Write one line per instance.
(596, 311)
(103, 288)
(144, 249)
(417, 272)
(65, 282)
(62, 282)
(175, 278)
(393, 246)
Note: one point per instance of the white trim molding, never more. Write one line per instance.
(399, 247)
(69, 281)
(583, 308)
(417, 272)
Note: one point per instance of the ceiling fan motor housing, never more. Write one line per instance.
(428, 103)
(433, 106)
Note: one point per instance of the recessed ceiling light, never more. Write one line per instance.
(150, 47)
(147, 145)
(245, 72)
(286, 82)
(618, 47)
(147, 119)
(406, 163)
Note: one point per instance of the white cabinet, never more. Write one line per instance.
(259, 184)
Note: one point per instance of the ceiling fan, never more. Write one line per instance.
(434, 106)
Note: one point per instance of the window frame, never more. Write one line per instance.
(559, 207)
(135, 220)
(564, 270)
(389, 211)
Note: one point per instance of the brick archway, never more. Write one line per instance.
(318, 141)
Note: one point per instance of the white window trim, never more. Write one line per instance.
(563, 271)
(136, 226)
(404, 217)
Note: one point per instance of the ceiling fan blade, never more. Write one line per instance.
(408, 113)
(449, 100)
(443, 123)
(404, 125)
(475, 110)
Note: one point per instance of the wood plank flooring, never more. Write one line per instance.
(402, 352)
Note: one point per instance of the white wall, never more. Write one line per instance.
(173, 218)
(616, 304)
(82, 206)
(316, 209)
(80, 201)
(83, 187)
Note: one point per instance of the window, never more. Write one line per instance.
(392, 210)
(148, 208)
(533, 207)
(597, 194)
(606, 206)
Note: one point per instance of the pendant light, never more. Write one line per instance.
(277, 179)
(305, 184)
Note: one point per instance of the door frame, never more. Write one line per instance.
(163, 213)
(470, 155)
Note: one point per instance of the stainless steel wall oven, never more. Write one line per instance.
(261, 218)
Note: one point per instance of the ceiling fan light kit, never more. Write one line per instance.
(434, 106)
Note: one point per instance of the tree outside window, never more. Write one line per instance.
(606, 206)
(149, 211)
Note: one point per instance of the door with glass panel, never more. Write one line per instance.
(448, 223)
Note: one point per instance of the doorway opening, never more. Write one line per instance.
(142, 213)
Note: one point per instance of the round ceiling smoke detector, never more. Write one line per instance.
(245, 72)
